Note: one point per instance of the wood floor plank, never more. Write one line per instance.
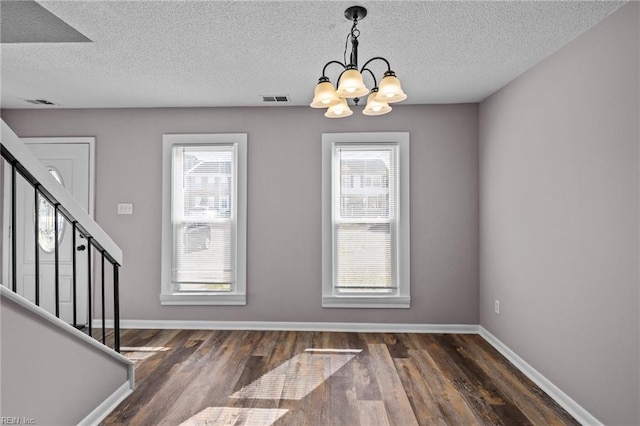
(304, 340)
(364, 377)
(283, 349)
(423, 401)
(343, 403)
(264, 347)
(452, 405)
(373, 413)
(253, 370)
(317, 401)
(396, 345)
(395, 399)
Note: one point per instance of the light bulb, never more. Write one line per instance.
(325, 94)
(339, 110)
(375, 107)
(390, 89)
(351, 84)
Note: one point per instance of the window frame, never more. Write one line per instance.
(238, 294)
(401, 298)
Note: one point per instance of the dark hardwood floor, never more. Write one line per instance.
(198, 377)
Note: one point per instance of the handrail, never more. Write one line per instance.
(23, 162)
(49, 186)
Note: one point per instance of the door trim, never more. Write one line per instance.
(91, 141)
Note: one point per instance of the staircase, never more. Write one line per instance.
(56, 370)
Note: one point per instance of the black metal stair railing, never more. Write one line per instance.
(92, 248)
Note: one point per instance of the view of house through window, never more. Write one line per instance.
(203, 188)
(365, 218)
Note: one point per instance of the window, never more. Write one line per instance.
(46, 219)
(204, 222)
(365, 226)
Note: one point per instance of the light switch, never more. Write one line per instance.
(125, 208)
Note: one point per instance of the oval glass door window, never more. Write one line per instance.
(46, 218)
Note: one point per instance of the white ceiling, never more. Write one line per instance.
(229, 53)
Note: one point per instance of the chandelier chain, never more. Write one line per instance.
(346, 47)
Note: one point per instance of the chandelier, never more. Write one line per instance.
(350, 81)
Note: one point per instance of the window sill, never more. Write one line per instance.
(203, 299)
(400, 302)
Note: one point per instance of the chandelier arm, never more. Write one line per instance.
(373, 59)
(375, 82)
(324, 70)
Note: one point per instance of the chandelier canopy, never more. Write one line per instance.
(351, 83)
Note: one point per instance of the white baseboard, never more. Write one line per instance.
(295, 326)
(572, 407)
(108, 405)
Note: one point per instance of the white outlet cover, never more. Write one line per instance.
(125, 208)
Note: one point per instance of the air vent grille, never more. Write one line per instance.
(39, 101)
(275, 98)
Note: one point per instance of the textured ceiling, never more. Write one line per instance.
(29, 22)
(229, 53)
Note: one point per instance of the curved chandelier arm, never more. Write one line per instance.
(324, 70)
(373, 59)
(375, 82)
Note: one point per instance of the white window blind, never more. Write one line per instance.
(203, 217)
(364, 209)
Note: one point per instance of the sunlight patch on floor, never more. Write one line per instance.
(143, 349)
(329, 350)
(140, 353)
(295, 378)
(219, 416)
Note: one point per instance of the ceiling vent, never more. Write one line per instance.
(275, 98)
(39, 101)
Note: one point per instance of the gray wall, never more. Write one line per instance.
(559, 217)
(284, 184)
(49, 375)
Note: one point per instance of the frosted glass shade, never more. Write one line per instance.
(339, 110)
(351, 84)
(324, 95)
(390, 89)
(374, 107)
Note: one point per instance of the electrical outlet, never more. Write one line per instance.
(125, 208)
(496, 306)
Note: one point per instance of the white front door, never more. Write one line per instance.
(70, 161)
